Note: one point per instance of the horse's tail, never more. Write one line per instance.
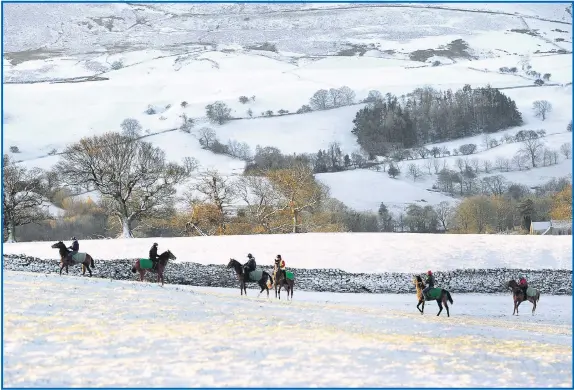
(270, 277)
(449, 297)
(537, 296)
(92, 263)
(134, 269)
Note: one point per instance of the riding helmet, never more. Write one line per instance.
(249, 256)
(155, 244)
(73, 238)
(278, 257)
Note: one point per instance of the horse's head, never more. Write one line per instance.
(170, 255)
(233, 263)
(511, 284)
(59, 245)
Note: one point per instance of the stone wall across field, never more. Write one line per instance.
(552, 282)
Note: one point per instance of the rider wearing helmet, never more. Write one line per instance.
(429, 283)
(281, 265)
(523, 284)
(75, 246)
(153, 255)
(250, 265)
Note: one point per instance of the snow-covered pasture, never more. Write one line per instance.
(351, 252)
(42, 118)
(138, 334)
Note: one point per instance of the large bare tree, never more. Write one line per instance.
(532, 148)
(133, 176)
(263, 202)
(299, 190)
(22, 199)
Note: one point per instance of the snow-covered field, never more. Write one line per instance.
(66, 332)
(206, 53)
(351, 252)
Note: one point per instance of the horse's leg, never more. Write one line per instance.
(445, 305)
(534, 305)
(61, 268)
(439, 306)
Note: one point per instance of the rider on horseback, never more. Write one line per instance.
(249, 266)
(153, 255)
(75, 246)
(523, 284)
(429, 284)
(281, 265)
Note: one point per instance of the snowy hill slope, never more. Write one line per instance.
(213, 52)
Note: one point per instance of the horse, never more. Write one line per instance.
(439, 295)
(147, 266)
(81, 258)
(518, 296)
(262, 281)
(281, 281)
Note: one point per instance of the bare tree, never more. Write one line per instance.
(263, 201)
(131, 127)
(566, 150)
(503, 164)
(132, 175)
(520, 161)
(487, 165)
(496, 185)
(218, 191)
(206, 137)
(186, 124)
(541, 108)
(444, 212)
(475, 164)
(347, 96)
(428, 165)
(532, 148)
(436, 165)
(22, 199)
(320, 100)
(299, 190)
(218, 112)
(414, 171)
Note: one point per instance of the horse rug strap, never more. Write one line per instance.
(79, 257)
(256, 275)
(146, 264)
(531, 292)
(290, 275)
(434, 293)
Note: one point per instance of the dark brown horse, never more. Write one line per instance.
(519, 296)
(441, 296)
(162, 262)
(265, 281)
(81, 258)
(281, 281)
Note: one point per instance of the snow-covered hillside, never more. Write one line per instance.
(200, 54)
(351, 252)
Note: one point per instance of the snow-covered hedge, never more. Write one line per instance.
(553, 282)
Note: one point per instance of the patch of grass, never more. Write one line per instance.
(265, 46)
(533, 33)
(560, 31)
(455, 49)
(353, 50)
(106, 21)
(18, 57)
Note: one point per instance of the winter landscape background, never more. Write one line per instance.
(366, 143)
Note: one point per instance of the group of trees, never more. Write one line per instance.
(500, 207)
(427, 116)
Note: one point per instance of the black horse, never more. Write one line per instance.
(265, 280)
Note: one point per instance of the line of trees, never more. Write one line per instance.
(428, 116)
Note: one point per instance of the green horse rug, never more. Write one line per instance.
(531, 292)
(290, 275)
(256, 275)
(434, 293)
(146, 264)
(78, 257)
